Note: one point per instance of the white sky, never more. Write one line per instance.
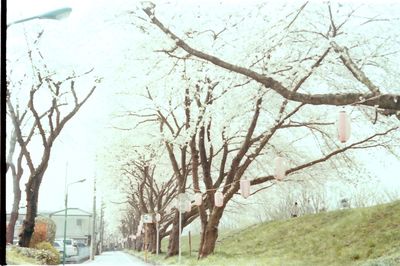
(90, 37)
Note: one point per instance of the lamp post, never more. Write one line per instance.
(93, 237)
(55, 14)
(65, 214)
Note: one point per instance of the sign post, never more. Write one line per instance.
(182, 204)
(147, 219)
(158, 218)
(145, 243)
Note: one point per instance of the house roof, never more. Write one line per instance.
(71, 212)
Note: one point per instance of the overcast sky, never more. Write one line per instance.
(90, 37)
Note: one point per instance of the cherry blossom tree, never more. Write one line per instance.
(289, 56)
(51, 101)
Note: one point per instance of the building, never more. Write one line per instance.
(79, 224)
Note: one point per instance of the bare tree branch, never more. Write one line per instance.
(383, 101)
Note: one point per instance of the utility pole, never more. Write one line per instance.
(93, 240)
(101, 226)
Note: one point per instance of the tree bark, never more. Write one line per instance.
(173, 243)
(152, 238)
(139, 243)
(14, 214)
(16, 174)
(29, 222)
(32, 197)
(11, 227)
(210, 235)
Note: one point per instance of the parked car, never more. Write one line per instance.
(58, 245)
(70, 249)
(80, 245)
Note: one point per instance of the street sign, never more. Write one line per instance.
(147, 218)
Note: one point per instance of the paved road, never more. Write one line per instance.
(115, 258)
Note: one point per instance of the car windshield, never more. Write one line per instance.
(56, 244)
(68, 242)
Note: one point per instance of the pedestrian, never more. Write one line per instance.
(295, 210)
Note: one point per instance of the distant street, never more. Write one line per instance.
(115, 258)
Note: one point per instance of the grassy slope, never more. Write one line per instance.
(347, 237)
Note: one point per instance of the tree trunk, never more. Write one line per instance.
(173, 243)
(14, 212)
(11, 227)
(202, 236)
(139, 243)
(210, 235)
(210, 238)
(152, 238)
(31, 213)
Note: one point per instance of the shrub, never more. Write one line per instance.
(44, 231)
(50, 226)
(39, 234)
(43, 256)
(47, 253)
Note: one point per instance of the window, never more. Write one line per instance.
(79, 222)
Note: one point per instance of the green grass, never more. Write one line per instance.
(15, 258)
(364, 236)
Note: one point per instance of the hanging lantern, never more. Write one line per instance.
(245, 188)
(219, 199)
(189, 206)
(344, 128)
(158, 217)
(198, 198)
(280, 168)
(182, 201)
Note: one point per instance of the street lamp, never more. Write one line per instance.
(65, 214)
(55, 14)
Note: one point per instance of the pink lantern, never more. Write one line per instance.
(198, 198)
(189, 206)
(344, 127)
(245, 188)
(219, 199)
(280, 168)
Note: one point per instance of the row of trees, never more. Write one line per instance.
(219, 123)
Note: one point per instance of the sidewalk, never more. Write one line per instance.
(115, 258)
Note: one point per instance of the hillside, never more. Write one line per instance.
(363, 236)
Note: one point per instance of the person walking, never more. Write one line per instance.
(295, 210)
